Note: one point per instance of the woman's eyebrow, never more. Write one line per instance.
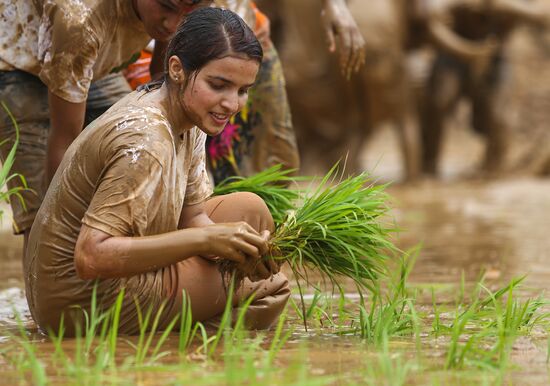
(222, 79)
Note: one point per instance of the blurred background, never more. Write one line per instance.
(417, 109)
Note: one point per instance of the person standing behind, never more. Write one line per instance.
(262, 134)
(52, 51)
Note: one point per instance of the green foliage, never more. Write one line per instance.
(338, 230)
(272, 185)
(7, 165)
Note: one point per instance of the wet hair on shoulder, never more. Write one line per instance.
(208, 34)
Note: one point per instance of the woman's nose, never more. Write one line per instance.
(231, 103)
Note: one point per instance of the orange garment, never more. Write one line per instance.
(261, 18)
(138, 73)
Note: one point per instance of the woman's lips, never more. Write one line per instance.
(220, 118)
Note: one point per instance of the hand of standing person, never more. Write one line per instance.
(343, 33)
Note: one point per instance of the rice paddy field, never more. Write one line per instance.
(464, 303)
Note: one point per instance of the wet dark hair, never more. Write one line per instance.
(208, 34)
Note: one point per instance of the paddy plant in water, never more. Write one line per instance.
(274, 185)
(479, 336)
(7, 164)
(338, 230)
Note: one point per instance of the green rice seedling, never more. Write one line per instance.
(391, 313)
(7, 165)
(387, 368)
(28, 360)
(484, 333)
(271, 185)
(278, 339)
(436, 324)
(147, 333)
(319, 310)
(186, 329)
(226, 318)
(338, 231)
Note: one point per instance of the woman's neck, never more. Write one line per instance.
(170, 104)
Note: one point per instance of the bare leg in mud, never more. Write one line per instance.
(444, 91)
(487, 118)
(202, 281)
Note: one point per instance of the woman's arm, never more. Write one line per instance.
(194, 216)
(100, 255)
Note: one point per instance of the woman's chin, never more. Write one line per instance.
(212, 130)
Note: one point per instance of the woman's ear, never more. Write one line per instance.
(175, 70)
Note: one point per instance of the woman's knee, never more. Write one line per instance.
(244, 206)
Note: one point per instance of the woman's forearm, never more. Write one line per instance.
(99, 255)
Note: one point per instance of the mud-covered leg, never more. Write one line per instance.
(202, 281)
(489, 118)
(443, 92)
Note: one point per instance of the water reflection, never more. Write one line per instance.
(499, 227)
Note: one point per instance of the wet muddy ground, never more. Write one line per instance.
(464, 227)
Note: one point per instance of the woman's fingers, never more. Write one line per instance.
(247, 248)
(259, 241)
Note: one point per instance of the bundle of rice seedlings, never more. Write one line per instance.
(339, 231)
(272, 185)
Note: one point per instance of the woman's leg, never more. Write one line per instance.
(202, 281)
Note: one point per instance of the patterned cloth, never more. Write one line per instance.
(69, 43)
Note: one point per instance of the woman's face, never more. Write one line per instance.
(219, 91)
(162, 17)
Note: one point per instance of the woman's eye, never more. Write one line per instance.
(216, 86)
(243, 91)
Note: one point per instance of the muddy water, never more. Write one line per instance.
(499, 227)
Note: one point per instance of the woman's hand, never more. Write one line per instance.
(340, 25)
(242, 244)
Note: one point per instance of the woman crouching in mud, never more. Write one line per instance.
(129, 206)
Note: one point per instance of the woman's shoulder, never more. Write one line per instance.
(130, 125)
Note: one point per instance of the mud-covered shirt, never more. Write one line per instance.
(69, 43)
(129, 173)
(243, 8)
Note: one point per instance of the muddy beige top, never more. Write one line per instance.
(127, 174)
(243, 8)
(67, 43)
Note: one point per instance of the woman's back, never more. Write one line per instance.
(127, 174)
